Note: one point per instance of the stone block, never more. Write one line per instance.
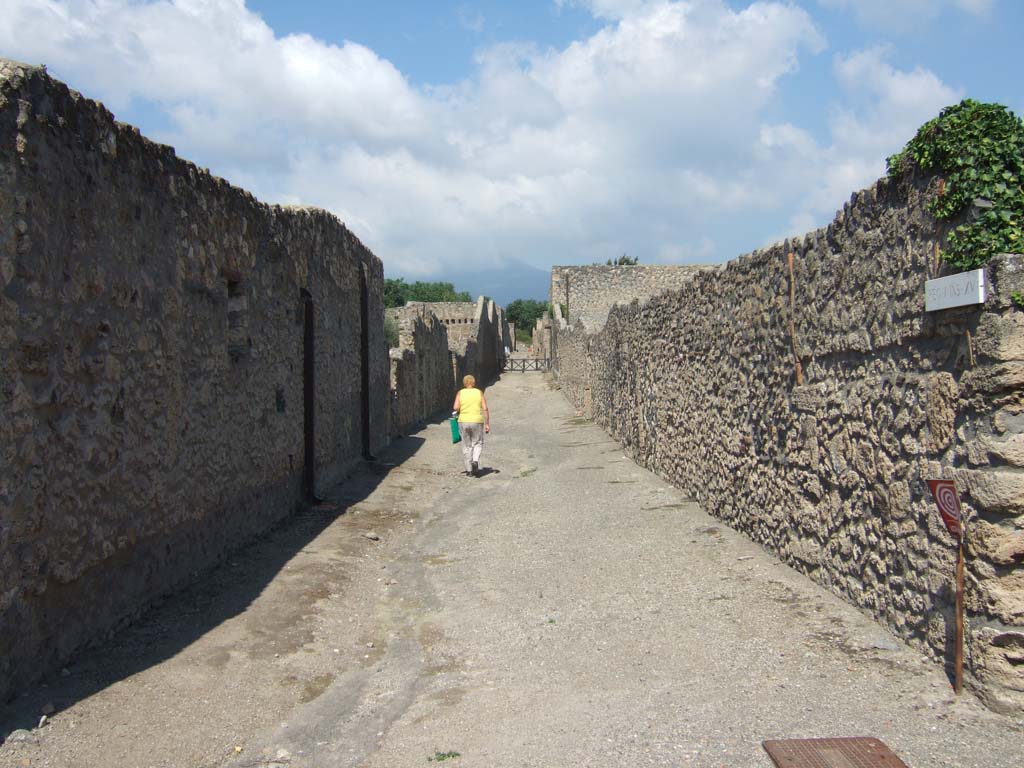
(1000, 336)
(992, 490)
(940, 410)
(1009, 450)
(997, 659)
(1000, 596)
(995, 378)
(997, 543)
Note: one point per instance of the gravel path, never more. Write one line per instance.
(565, 609)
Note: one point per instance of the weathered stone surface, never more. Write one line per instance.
(1001, 336)
(940, 408)
(999, 491)
(996, 658)
(812, 421)
(151, 367)
(997, 543)
(1008, 449)
(1002, 597)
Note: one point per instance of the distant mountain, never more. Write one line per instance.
(514, 280)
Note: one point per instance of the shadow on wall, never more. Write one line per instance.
(214, 597)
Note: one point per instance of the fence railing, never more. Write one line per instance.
(524, 364)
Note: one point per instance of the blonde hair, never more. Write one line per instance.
(468, 381)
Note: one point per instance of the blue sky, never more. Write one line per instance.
(458, 136)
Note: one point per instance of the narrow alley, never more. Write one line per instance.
(567, 608)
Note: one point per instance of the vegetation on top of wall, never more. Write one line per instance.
(623, 261)
(980, 150)
(397, 292)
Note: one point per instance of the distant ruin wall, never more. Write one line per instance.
(439, 343)
(151, 367)
(806, 406)
(589, 292)
(477, 336)
(422, 378)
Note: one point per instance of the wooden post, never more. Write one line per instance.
(958, 661)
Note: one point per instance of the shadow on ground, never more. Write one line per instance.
(214, 596)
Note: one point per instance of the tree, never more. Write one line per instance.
(525, 312)
(623, 261)
(397, 292)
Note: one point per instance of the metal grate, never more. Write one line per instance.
(856, 752)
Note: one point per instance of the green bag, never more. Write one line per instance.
(456, 437)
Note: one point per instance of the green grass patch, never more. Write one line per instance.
(440, 757)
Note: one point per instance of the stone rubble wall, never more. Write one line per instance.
(151, 368)
(422, 378)
(545, 333)
(589, 292)
(806, 405)
(477, 336)
(439, 343)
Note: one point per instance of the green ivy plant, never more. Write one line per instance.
(979, 148)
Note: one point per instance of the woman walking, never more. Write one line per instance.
(470, 407)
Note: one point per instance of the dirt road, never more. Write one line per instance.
(565, 609)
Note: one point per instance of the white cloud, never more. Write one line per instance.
(610, 9)
(881, 110)
(636, 139)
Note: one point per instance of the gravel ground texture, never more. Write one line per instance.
(566, 608)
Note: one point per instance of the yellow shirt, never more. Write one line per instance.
(471, 409)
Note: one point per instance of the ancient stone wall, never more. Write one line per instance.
(461, 318)
(806, 399)
(545, 333)
(152, 336)
(422, 376)
(477, 336)
(589, 292)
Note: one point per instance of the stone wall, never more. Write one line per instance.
(590, 292)
(152, 367)
(545, 333)
(477, 336)
(805, 399)
(439, 343)
(422, 376)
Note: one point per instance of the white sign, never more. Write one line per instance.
(955, 291)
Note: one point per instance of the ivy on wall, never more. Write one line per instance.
(979, 148)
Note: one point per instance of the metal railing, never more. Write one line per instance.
(524, 364)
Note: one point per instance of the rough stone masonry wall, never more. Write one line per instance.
(151, 367)
(589, 292)
(477, 336)
(422, 378)
(826, 467)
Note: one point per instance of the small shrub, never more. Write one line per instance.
(440, 757)
(391, 331)
(980, 150)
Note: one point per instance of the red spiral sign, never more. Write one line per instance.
(948, 502)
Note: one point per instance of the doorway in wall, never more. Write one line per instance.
(308, 396)
(364, 359)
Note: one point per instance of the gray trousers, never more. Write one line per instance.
(472, 443)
